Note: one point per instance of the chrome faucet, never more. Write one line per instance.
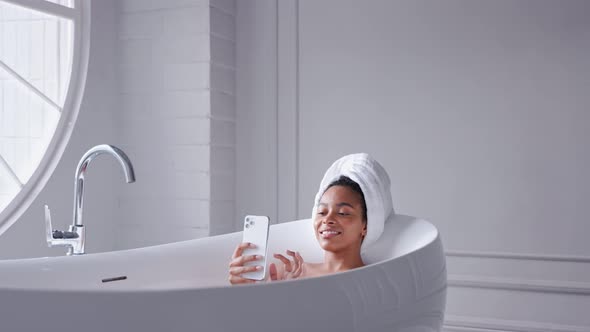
(74, 238)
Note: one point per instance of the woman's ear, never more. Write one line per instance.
(365, 229)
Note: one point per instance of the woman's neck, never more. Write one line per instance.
(337, 262)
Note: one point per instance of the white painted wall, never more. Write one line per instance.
(478, 110)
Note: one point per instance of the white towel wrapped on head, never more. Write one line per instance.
(375, 184)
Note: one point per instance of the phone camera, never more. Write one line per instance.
(247, 226)
(252, 223)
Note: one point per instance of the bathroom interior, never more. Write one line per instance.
(478, 110)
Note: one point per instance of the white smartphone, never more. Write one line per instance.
(256, 232)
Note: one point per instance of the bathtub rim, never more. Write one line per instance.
(166, 289)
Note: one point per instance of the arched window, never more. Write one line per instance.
(43, 62)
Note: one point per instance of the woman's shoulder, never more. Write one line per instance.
(314, 266)
(308, 269)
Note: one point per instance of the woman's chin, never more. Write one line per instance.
(330, 245)
(334, 245)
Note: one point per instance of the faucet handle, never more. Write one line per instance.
(48, 229)
(71, 239)
(54, 234)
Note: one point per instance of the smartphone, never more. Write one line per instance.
(256, 232)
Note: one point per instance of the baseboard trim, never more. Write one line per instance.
(543, 286)
(476, 324)
(517, 256)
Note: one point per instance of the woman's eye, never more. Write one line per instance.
(343, 213)
(321, 213)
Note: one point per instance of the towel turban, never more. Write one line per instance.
(375, 184)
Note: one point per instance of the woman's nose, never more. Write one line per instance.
(328, 219)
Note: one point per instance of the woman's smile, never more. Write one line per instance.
(329, 233)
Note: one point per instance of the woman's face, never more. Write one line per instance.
(339, 220)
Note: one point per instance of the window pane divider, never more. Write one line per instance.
(47, 8)
(30, 86)
(11, 172)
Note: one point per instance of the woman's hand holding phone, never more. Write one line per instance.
(236, 265)
(248, 262)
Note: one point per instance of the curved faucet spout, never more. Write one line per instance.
(81, 173)
(75, 237)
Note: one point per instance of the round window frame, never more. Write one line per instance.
(65, 126)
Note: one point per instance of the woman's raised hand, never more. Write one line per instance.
(291, 269)
(236, 265)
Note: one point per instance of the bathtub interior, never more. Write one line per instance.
(199, 263)
(401, 235)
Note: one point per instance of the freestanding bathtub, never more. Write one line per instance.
(183, 287)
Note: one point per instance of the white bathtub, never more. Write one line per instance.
(183, 287)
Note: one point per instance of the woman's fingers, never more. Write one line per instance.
(299, 264)
(297, 272)
(300, 258)
(272, 270)
(241, 260)
(240, 249)
(296, 263)
(285, 261)
(234, 280)
(236, 265)
(237, 271)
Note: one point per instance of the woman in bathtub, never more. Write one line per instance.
(351, 207)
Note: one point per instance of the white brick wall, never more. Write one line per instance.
(223, 105)
(223, 79)
(223, 51)
(177, 119)
(223, 22)
(151, 5)
(186, 22)
(191, 158)
(228, 6)
(184, 103)
(222, 210)
(183, 51)
(186, 76)
(223, 116)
